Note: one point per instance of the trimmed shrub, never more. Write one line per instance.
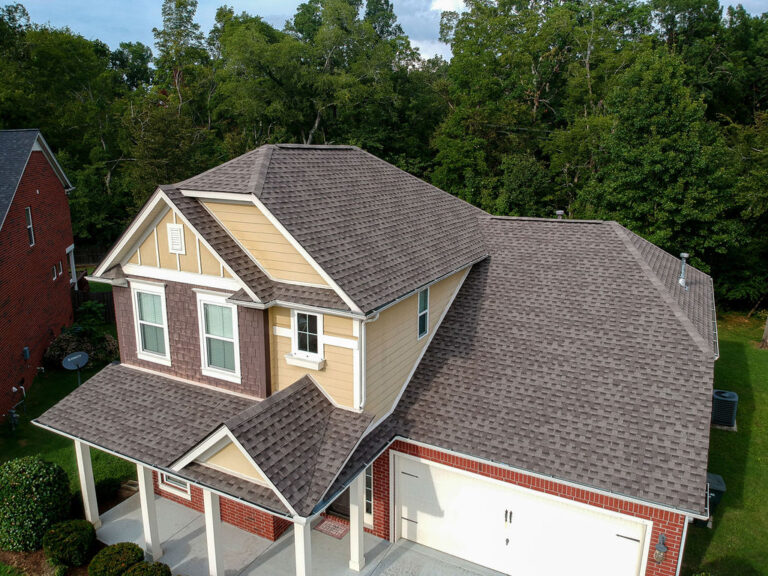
(115, 560)
(70, 542)
(34, 495)
(149, 569)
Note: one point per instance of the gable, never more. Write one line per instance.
(153, 248)
(230, 459)
(272, 251)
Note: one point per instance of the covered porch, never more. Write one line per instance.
(195, 543)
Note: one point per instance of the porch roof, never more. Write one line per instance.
(156, 420)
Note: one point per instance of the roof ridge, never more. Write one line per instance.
(693, 332)
(542, 219)
(179, 185)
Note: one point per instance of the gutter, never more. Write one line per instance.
(163, 470)
(687, 513)
(121, 282)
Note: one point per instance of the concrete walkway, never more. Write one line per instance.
(182, 535)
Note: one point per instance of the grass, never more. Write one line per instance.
(28, 439)
(737, 545)
(6, 570)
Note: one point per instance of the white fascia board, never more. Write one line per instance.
(213, 441)
(234, 197)
(113, 255)
(51, 157)
(160, 469)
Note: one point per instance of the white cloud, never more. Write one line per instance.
(428, 48)
(447, 5)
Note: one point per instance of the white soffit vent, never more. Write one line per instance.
(176, 239)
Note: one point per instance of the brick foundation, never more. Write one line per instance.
(232, 512)
(668, 523)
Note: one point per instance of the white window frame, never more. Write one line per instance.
(164, 484)
(30, 226)
(61, 269)
(368, 516)
(54, 272)
(425, 313)
(217, 299)
(182, 250)
(158, 289)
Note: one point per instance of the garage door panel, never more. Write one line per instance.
(512, 530)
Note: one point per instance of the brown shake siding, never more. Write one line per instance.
(184, 340)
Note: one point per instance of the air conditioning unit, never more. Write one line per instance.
(724, 404)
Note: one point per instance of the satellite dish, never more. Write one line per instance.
(75, 361)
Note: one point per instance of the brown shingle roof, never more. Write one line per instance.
(378, 231)
(561, 356)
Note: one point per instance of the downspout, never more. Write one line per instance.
(682, 547)
(363, 348)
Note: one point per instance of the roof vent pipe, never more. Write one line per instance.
(559, 214)
(683, 257)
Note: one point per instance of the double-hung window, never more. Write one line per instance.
(307, 341)
(30, 228)
(423, 312)
(151, 322)
(219, 346)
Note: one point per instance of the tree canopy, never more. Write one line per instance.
(649, 113)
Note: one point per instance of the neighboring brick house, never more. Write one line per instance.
(309, 331)
(36, 258)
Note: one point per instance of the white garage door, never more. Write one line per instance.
(510, 529)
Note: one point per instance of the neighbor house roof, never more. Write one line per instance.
(376, 230)
(15, 148)
(569, 354)
(296, 436)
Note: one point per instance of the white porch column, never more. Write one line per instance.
(302, 543)
(213, 533)
(149, 512)
(87, 485)
(356, 522)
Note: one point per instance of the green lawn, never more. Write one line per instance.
(28, 439)
(6, 570)
(738, 543)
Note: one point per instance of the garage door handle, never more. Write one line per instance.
(629, 538)
(409, 474)
(409, 520)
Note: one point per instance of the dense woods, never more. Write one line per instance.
(654, 114)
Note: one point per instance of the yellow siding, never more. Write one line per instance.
(336, 378)
(188, 262)
(337, 326)
(392, 344)
(265, 243)
(147, 250)
(167, 260)
(231, 458)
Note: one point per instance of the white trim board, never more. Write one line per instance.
(211, 443)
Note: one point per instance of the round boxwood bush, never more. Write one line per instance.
(115, 560)
(149, 569)
(34, 495)
(69, 542)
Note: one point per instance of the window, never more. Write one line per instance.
(61, 268)
(369, 495)
(151, 322)
(30, 228)
(54, 272)
(306, 333)
(174, 485)
(218, 337)
(176, 239)
(423, 312)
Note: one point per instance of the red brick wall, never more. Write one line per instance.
(668, 523)
(184, 340)
(232, 512)
(33, 307)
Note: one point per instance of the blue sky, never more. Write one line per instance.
(115, 21)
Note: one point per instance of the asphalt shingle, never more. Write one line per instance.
(15, 147)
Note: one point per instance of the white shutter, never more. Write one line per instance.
(176, 239)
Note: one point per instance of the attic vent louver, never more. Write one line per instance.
(683, 257)
(176, 239)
